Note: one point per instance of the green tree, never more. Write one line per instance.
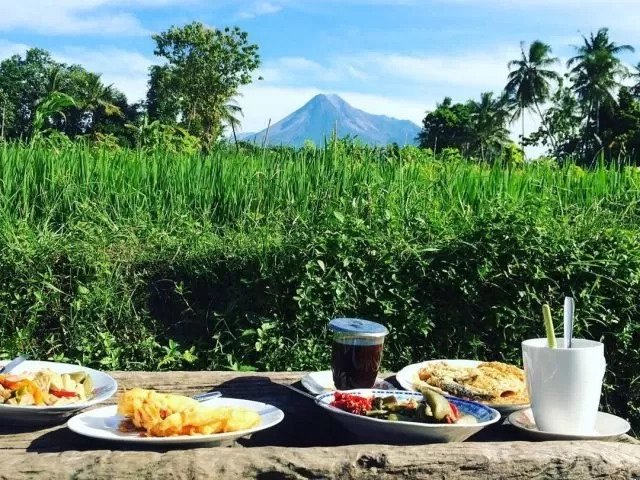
(29, 81)
(620, 127)
(562, 121)
(163, 101)
(230, 115)
(448, 126)
(596, 72)
(635, 76)
(489, 117)
(24, 81)
(95, 102)
(529, 81)
(204, 69)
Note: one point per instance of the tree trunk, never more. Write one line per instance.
(554, 143)
(4, 112)
(522, 137)
(235, 139)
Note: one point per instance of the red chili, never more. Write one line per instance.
(352, 403)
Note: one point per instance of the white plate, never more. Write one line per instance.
(102, 423)
(385, 431)
(322, 382)
(104, 387)
(608, 427)
(409, 375)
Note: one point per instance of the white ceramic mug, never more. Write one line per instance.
(564, 384)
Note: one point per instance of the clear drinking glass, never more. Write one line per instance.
(356, 352)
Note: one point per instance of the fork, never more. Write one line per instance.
(12, 364)
(202, 397)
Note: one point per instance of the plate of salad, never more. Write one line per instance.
(39, 392)
(398, 416)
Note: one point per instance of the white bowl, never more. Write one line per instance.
(104, 388)
(385, 431)
(408, 376)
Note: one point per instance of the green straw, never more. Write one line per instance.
(548, 326)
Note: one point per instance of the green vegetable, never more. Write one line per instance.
(548, 325)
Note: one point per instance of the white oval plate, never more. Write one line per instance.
(322, 382)
(608, 427)
(409, 375)
(104, 388)
(390, 432)
(102, 423)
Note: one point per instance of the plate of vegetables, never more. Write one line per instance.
(398, 416)
(38, 392)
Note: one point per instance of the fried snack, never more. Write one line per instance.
(165, 415)
(489, 382)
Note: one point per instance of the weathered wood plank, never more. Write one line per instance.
(549, 460)
(58, 453)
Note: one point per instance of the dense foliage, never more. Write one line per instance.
(127, 260)
(203, 71)
(592, 113)
(189, 102)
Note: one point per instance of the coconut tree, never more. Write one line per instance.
(230, 113)
(596, 72)
(529, 81)
(489, 118)
(635, 75)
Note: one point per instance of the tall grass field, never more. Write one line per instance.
(237, 260)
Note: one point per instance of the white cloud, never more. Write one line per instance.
(75, 17)
(258, 9)
(470, 69)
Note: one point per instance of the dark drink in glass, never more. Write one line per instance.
(356, 352)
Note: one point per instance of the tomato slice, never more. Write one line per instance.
(63, 393)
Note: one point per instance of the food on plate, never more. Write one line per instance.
(45, 388)
(164, 415)
(432, 408)
(489, 382)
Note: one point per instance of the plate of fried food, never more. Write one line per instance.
(149, 417)
(498, 385)
(39, 392)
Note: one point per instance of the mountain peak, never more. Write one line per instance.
(319, 117)
(331, 98)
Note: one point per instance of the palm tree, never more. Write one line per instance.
(489, 118)
(98, 95)
(596, 72)
(229, 115)
(635, 89)
(529, 81)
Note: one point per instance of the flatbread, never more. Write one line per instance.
(489, 382)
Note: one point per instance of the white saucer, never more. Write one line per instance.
(608, 427)
(322, 382)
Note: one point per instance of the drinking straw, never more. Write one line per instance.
(548, 326)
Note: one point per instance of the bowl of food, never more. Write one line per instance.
(398, 416)
(39, 392)
(497, 385)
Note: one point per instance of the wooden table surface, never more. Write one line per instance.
(307, 444)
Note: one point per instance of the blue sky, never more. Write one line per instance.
(394, 57)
